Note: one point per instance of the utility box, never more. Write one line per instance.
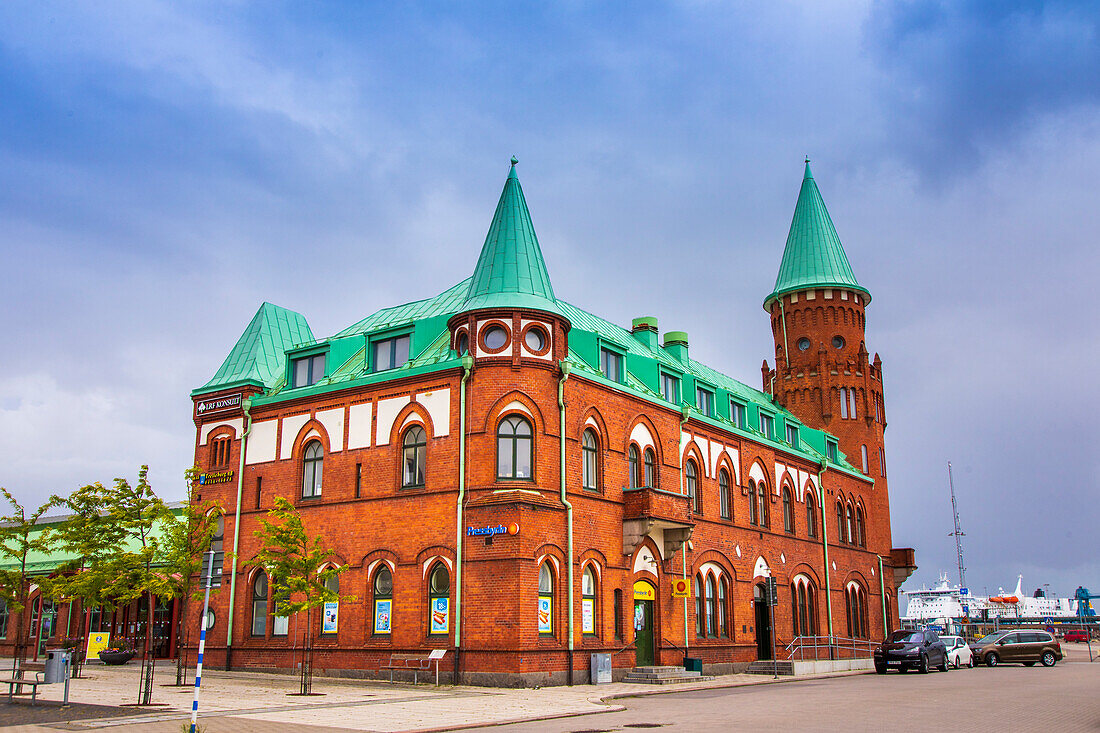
(601, 669)
(58, 666)
(693, 664)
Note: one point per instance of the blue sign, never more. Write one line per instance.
(937, 629)
(512, 528)
(1048, 621)
(966, 610)
(964, 591)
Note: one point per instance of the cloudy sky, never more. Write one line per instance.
(165, 168)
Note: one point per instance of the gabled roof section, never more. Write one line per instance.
(444, 304)
(258, 358)
(814, 256)
(511, 271)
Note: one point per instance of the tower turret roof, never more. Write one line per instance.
(814, 256)
(510, 271)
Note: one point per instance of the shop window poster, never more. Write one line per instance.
(382, 613)
(441, 615)
(546, 622)
(330, 619)
(588, 616)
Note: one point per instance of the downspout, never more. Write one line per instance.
(245, 405)
(825, 550)
(565, 369)
(467, 364)
(684, 412)
(882, 595)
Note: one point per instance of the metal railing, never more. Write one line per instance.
(816, 648)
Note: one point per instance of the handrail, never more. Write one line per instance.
(674, 645)
(810, 646)
(624, 648)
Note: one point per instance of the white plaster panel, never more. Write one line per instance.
(333, 420)
(359, 417)
(387, 413)
(516, 405)
(438, 404)
(432, 559)
(311, 434)
(644, 560)
(710, 567)
(261, 442)
(410, 419)
(715, 454)
(237, 424)
(591, 422)
(757, 473)
(291, 426)
(761, 570)
(736, 458)
(704, 450)
(685, 438)
(641, 435)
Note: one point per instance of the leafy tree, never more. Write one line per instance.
(20, 535)
(293, 562)
(187, 538)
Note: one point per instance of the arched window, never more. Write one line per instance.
(514, 448)
(855, 608)
(414, 457)
(588, 601)
(724, 493)
(840, 536)
(699, 621)
(888, 622)
(439, 600)
(803, 611)
(329, 622)
(723, 609)
(635, 467)
(650, 468)
(313, 460)
(383, 599)
(259, 604)
(691, 483)
(788, 511)
(590, 460)
(849, 528)
(762, 498)
(811, 515)
(280, 625)
(754, 516)
(546, 599)
(861, 529)
(712, 612)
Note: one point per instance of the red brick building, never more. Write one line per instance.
(519, 482)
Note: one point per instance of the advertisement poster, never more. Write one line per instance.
(588, 617)
(441, 615)
(382, 611)
(97, 642)
(546, 624)
(330, 619)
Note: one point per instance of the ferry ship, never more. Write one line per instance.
(946, 603)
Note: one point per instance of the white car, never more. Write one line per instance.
(958, 652)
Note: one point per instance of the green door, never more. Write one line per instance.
(643, 632)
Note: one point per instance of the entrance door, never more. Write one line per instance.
(763, 624)
(644, 595)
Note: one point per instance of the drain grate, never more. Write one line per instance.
(643, 725)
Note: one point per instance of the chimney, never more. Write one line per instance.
(676, 344)
(645, 330)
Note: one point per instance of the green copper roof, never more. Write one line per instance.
(814, 256)
(510, 271)
(259, 357)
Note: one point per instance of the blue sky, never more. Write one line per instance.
(165, 168)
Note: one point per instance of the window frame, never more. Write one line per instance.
(259, 601)
(691, 485)
(738, 414)
(311, 357)
(590, 598)
(650, 480)
(420, 456)
(634, 467)
(670, 379)
(811, 515)
(832, 450)
(788, 511)
(606, 352)
(393, 337)
(515, 438)
(702, 390)
(546, 594)
(377, 598)
(313, 464)
(767, 419)
(792, 435)
(434, 596)
(590, 460)
(725, 510)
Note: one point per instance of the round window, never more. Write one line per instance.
(210, 618)
(535, 339)
(495, 338)
(463, 344)
(838, 342)
(803, 344)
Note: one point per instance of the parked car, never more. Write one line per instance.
(1077, 635)
(1017, 646)
(958, 652)
(917, 649)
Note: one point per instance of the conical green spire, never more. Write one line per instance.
(510, 271)
(814, 256)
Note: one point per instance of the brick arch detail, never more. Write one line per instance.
(724, 461)
(412, 408)
(806, 569)
(300, 439)
(718, 558)
(644, 420)
(433, 553)
(380, 555)
(496, 412)
(602, 433)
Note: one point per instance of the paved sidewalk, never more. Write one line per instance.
(238, 702)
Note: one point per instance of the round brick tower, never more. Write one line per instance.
(823, 373)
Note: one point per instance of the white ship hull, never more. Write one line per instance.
(946, 603)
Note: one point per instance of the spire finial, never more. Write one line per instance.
(514, 161)
(807, 174)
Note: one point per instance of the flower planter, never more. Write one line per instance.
(115, 656)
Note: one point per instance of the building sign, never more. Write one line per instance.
(681, 588)
(588, 616)
(643, 591)
(512, 528)
(219, 404)
(330, 620)
(546, 620)
(97, 642)
(383, 611)
(216, 477)
(441, 615)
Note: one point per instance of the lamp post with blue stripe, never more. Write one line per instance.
(202, 639)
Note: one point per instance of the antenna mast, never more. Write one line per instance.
(958, 534)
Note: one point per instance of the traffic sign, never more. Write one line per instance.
(771, 592)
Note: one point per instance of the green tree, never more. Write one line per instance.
(187, 538)
(293, 562)
(20, 535)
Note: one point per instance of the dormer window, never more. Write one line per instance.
(704, 398)
(389, 353)
(833, 453)
(307, 370)
(611, 364)
(767, 425)
(670, 388)
(737, 414)
(792, 435)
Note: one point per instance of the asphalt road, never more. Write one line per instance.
(1007, 698)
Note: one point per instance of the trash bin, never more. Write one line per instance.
(58, 665)
(693, 664)
(601, 669)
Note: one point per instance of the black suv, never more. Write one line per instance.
(913, 649)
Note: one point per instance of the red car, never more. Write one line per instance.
(1077, 635)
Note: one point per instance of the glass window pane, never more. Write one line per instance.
(504, 457)
(382, 360)
(400, 351)
(523, 458)
(301, 372)
(318, 369)
(546, 582)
